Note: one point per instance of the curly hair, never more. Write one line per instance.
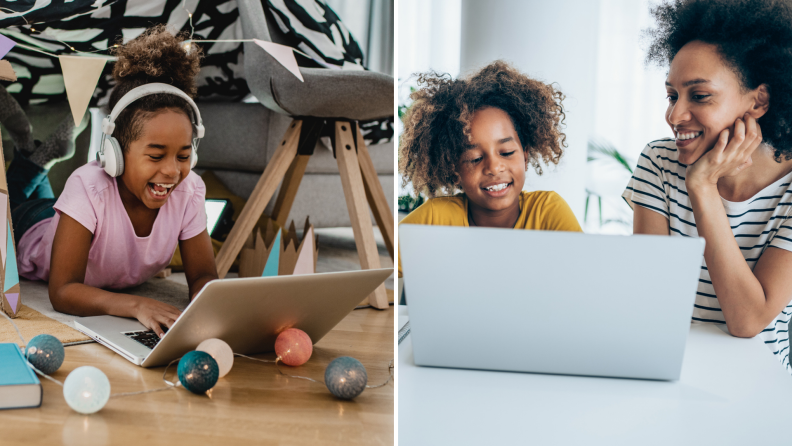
(754, 39)
(154, 56)
(437, 124)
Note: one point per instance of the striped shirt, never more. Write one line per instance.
(761, 221)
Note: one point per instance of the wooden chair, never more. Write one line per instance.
(328, 103)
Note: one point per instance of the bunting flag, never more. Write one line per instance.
(305, 259)
(13, 301)
(283, 54)
(5, 45)
(10, 299)
(80, 75)
(6, 72)
(271, 267)
(3, 217)
(11, 272)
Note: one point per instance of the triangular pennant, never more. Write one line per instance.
(283, 54)
(13, 299)
(5, 45)
(7, 73)
(3, 217)
(305, 260)
(11, 273)
(271, 268)
(80, 75)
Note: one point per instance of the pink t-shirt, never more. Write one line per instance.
(118, 258)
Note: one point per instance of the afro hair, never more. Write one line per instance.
(754, 38)
(437, 124)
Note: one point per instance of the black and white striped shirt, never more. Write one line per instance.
(757, 223)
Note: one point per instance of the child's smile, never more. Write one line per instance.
(158, 160)
(497, 189)
(492, 171)
(160, 191)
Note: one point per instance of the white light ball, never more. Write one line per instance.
(220, 351)
(86, 389)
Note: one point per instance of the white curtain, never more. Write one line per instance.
(630, 108)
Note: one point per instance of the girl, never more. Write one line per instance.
(479, 135)
(727, 174)
(111, 233)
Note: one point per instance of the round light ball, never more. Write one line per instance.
(198, 372)
(46, 353)
(86, 389)
(346, 377)
(294, 347)
(221, 352)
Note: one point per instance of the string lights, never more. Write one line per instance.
(87, 389)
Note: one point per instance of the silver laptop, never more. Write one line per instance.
(549, 302)
(246, 313)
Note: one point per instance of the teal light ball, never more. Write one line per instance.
(46, 353)
(345, 377)
(198, 371)
(86, 389)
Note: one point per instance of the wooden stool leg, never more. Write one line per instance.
(355, 195)
(291, 182)
(374, 193)
(265, 188)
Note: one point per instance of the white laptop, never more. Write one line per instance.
(549, 302)
(246, 313)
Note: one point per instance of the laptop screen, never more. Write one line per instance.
(214, 210)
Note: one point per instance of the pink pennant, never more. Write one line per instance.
(13, 299)
(5, 45)
(283, 54)
(305, 263)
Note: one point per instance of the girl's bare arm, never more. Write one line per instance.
(199, 263)
(69, 294)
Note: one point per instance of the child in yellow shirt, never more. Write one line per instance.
(478, 135)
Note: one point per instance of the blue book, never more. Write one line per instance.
(19, 385)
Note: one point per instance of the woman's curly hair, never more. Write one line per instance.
(154, 56)
(437, 124)
(754, 38)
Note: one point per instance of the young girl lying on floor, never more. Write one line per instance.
(479, 135)
(113, 233)
(726, 175)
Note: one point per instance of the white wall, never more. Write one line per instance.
(554, 42)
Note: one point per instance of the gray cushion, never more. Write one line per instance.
(326, 93)
(250, 149)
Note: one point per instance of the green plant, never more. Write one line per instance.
(603, 151)
(404, 107)
(408, 203)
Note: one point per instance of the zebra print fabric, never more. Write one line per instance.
(95, 25)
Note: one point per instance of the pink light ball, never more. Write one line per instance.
(294, 347)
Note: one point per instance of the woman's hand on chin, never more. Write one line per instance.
(728, 157)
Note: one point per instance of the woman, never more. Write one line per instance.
(726, 174)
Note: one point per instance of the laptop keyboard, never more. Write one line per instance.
(147, 338)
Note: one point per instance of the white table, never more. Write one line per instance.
(732, 392)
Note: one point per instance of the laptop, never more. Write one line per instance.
(246, 313)
(549, 302)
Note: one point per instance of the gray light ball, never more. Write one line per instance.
(345, 377)
(46, 353)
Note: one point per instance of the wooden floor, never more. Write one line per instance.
(253, 404)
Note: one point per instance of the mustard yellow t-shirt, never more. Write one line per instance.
(543, 210)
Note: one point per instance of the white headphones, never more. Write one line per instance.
(111, 156)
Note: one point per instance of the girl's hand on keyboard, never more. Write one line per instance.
(154, 315)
